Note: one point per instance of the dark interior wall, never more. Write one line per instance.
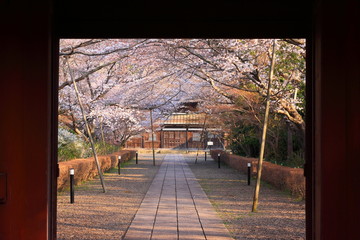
(337, 120)
(186, 18)
(25, 118)
(25, 99)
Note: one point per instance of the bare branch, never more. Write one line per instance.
(84, 76)
(70, 50)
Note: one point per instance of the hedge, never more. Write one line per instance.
(283, 178)
(85, 169)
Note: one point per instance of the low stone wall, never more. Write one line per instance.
(86, 169)
(283, 178)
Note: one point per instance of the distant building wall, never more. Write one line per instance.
(175, 139)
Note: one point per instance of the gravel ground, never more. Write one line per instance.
(279, 216)
(96, 215)
(106, 216)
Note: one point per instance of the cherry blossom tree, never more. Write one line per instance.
(233, 66)
(118, 124)
(161, 73)
(98, 67)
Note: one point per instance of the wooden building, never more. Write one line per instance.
(185, 129)
(189, 130)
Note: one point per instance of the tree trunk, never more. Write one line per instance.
(290, 111)
(263, 139)
(90, 87)
(102, 131)
(201, 138)
(290, 145)
(152, 136)
(88, 130)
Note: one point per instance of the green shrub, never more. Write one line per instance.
(70, 146)
(244, 141)
(295, 161)
(105, 148)
(247, 141)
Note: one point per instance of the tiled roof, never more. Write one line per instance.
(185, 119)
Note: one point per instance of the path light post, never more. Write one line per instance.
(209, 143)
(136, 158)
(219, 160)
(72, 190)
(248, 171)
(119, 164)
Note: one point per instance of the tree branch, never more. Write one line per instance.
(67, 83)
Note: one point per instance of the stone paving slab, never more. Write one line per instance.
(176, 207)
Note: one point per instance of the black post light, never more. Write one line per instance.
(119, 164)
(219, 160)
(248, 171)
(72, 188)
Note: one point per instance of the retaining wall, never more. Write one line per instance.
(283, 178)
(85, 169)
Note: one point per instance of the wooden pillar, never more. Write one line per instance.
(186, 142)
(161, 138)
(205, 139)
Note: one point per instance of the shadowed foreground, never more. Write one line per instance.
(279, 215)
(106, 216)
(96, 215)
(176, 207)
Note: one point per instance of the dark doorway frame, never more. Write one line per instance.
(281, 19)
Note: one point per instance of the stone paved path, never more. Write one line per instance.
(176, 207)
